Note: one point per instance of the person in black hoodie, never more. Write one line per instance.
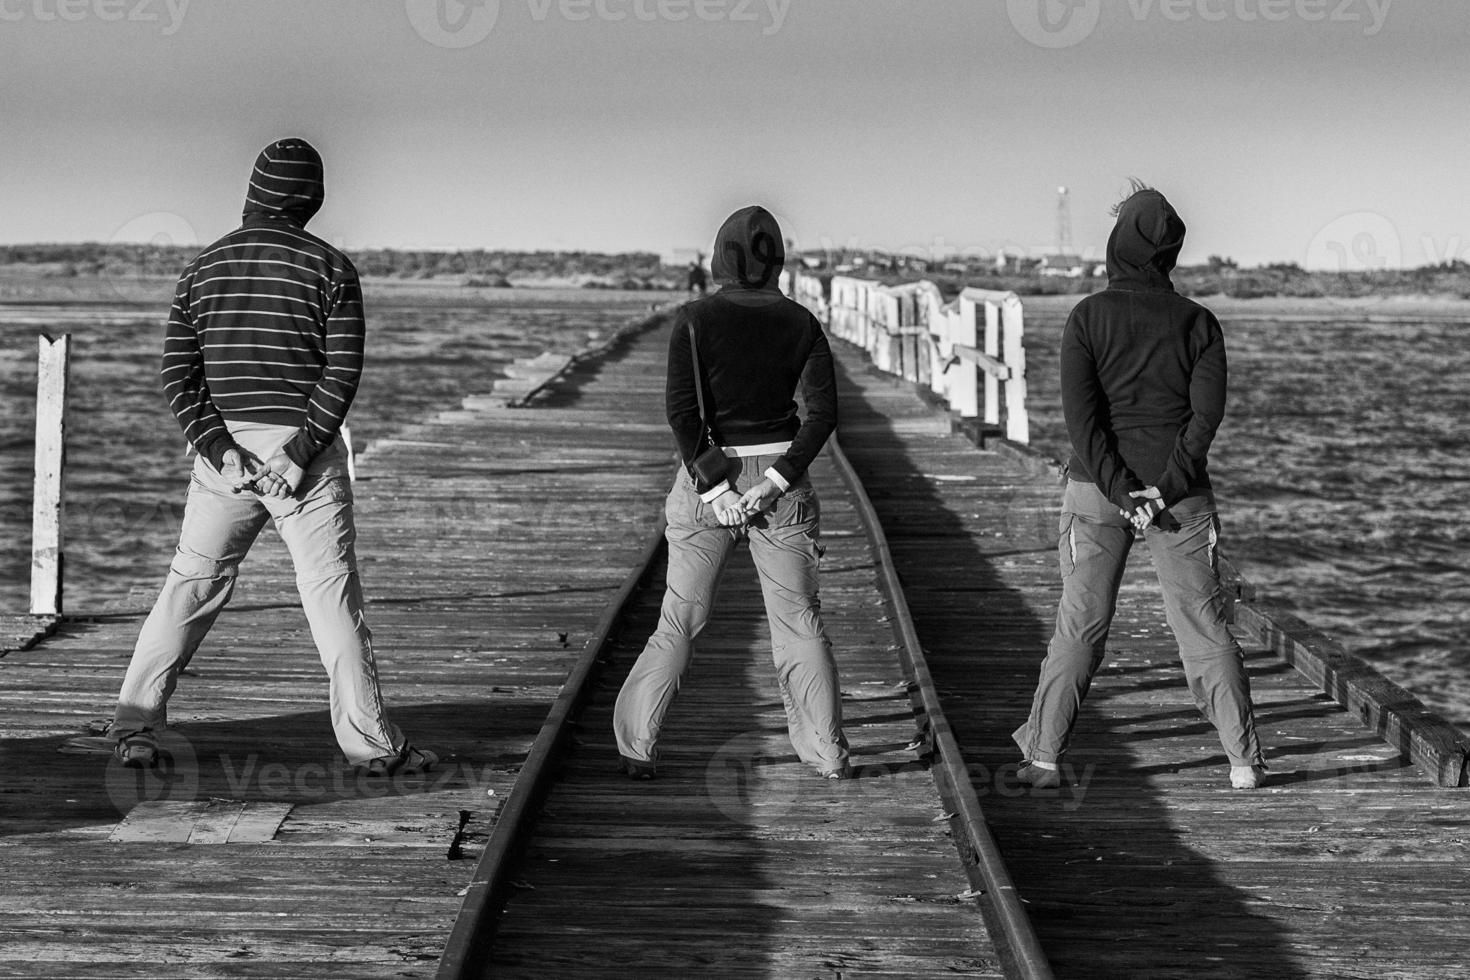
(754, 347)
(1143, 392)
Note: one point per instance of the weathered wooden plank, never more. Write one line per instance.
(47, 561)
(1148, 865)
(483, 587)
(1385, 708)
(160, 822)
(21, 632)
(759, 858)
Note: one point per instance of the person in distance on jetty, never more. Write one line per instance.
(262, 357)
(1143, 392)
(736, 358)
(697, 280)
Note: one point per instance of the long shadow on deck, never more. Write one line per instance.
(286, 758)
(1111, 887)
(664, 878)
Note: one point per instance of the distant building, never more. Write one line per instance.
(1014, 261)
(1064, 265)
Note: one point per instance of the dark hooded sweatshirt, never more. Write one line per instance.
(1143, 368)
(267, 324)
(755, 348)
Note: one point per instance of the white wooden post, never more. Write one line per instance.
(1018, 424)
(964, 393)
(885, 320)
(53, 367)
(992, 347)
(940, 347)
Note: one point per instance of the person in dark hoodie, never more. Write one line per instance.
(1143, 392)
(262, 356)
(754, 348)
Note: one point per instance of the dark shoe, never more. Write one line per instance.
(635, 769)
(408, 762)
(1038, 778)
(137, 752)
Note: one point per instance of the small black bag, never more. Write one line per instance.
(711, 465)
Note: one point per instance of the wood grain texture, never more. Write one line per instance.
(487, 557)
(1348, 863)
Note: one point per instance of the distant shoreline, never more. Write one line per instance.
(20, 286)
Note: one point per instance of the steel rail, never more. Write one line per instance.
(1004, 911)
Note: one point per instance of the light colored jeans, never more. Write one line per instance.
(218, 529)
(784, 545)
(1093, 549)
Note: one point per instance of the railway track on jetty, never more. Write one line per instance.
(737, 861)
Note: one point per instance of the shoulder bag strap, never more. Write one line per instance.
(699, 387)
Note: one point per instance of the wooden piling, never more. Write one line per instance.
(47, 562)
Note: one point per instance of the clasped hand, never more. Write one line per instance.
(244, 471)
(736, 510)
(1144, 513)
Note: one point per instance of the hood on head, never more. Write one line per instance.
(748, 250)
(286, 182)
(1146, 240)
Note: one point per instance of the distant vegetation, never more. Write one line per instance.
(645, 270)
(471, 267)
(1218, 276)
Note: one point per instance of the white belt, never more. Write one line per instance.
(764, 449)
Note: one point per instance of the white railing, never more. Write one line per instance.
(974, 360)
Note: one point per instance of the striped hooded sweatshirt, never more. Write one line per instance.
(266, 325)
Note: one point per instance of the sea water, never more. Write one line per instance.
(1342, 469)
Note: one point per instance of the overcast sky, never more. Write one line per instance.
(1325, 132)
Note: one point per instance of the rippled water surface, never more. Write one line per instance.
(1343, 472)
(126, 473)
(1343, 467)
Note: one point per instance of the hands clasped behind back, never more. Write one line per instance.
(244, 471)
(735, 510)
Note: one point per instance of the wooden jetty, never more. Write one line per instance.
(1350, 862)
(512, 566)
(490, 538)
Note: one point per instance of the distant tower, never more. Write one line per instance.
(1064, 222)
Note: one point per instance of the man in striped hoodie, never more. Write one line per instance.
(262, 357)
